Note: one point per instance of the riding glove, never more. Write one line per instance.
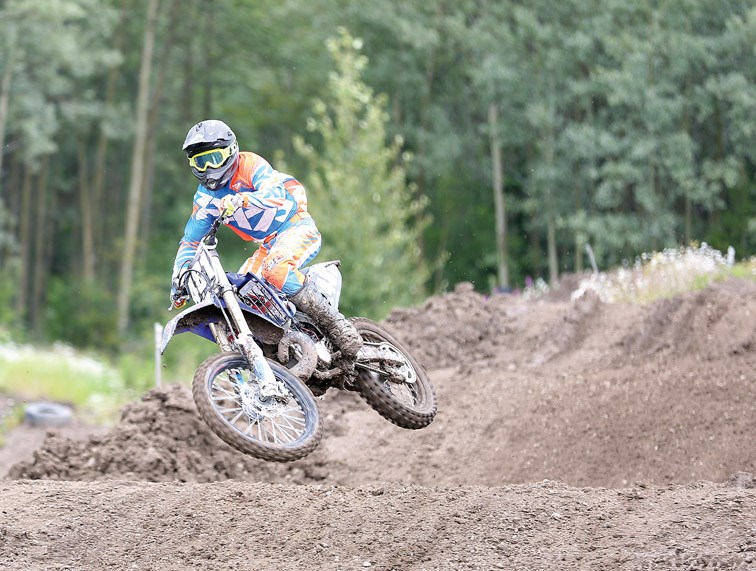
(231, 202)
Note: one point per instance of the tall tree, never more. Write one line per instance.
(58, 47)
(11, 48)
(358, 192)
(502, 254)
(136, 189)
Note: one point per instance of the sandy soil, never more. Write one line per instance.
(570, 435)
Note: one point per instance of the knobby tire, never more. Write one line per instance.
(373, 389)
(201, 390)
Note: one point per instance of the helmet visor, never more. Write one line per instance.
(213, 158)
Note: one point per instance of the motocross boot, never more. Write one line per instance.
(344, 335)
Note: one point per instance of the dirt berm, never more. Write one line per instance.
(570, 435)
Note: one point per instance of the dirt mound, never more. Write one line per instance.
(465, 327)
(449, 327)
(717, 322)
(650, 410)
(584, 392)
(159, 438)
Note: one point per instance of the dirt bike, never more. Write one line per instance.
(257, 394)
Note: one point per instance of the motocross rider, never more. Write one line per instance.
(264, 206)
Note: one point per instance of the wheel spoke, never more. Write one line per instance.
(272, 422)
(271, 428)
(259, 432)
(222, 398)
(271, 431)
(262, 430)
(233, 421)
(224, 391)
(404, 392)
(294, 419)
(288, 436)
(227, 410)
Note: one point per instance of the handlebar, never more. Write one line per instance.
(210, 238)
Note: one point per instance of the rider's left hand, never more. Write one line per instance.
(179, 296)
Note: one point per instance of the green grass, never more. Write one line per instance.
(182, 357)
(746, 270)
(94, 387)
(12, 419)
(698, 282)
(62, 375)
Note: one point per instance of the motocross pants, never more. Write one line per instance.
(280, 256)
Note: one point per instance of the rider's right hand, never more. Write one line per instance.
(231, 202)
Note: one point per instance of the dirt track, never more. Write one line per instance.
(570, 435)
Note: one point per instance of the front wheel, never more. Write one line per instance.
(229, 399)
(394, 384)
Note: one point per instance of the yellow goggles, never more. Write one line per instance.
(213, 158)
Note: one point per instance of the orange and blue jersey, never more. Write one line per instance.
(274, 202)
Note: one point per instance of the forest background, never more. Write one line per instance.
(475, 140)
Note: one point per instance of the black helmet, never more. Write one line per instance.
(213, 153)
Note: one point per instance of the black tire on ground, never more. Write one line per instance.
(305, 443)
(47, 414)
(378, 391)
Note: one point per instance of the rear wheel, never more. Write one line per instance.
(278, 429)
(396, 387)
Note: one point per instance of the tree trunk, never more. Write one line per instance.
(87, 217)
(98, 172)
(41, 269)
(137, 169)
(25, 242)
(441, 256)
(502, 258)
(549, 208)
(5, 87)
(535, 254)
(579, 246)
(688, 202)
(425, 104)
(152, 120)
(551, 238)
(209, 49)
(9, 203)
(688, 220)
(11, 195)
(187, 90)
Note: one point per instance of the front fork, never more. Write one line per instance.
(269, 386)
